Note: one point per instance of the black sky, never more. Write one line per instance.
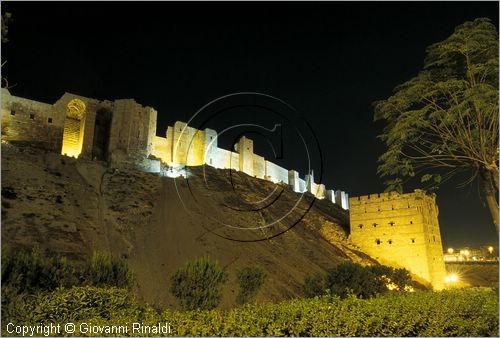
(329, 60)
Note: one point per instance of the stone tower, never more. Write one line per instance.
(245, 151)
(209, 146)
(400, 230)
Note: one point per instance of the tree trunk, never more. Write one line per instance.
(490, 193)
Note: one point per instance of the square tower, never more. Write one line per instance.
(209, 146)
(400, 230)
(245, 151)
(187, 144)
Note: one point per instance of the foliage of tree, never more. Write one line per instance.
(444, 121)
(313, 286)
(198, 284)
(349, 278)
(251, 279)
(399, 279)
(6, 19)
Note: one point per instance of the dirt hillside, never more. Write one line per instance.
(73, 207)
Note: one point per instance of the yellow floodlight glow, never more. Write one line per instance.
(452, 278)
(450, 250)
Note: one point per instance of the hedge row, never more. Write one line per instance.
(472, 312)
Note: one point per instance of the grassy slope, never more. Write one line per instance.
(73, 208)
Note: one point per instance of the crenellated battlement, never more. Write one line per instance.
(123, 133)
(398, 200)
(188, 146)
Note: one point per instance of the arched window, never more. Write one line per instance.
(73, 128)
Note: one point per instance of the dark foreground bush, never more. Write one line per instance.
(251, 279)
(198, 284)
(35, 271)
(472, 312)
(313, 286)
(350, 278)
(30, 271)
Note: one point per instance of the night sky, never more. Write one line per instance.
(328, 60)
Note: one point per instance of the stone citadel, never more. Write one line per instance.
(398, 230)
(123, 133)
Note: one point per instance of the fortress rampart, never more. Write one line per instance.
(123, 133)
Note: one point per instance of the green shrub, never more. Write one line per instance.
(364, 282)
(352, 278)
(33, 271)
(397, 279)
(198, 284)
(70, 305)
(313, 286)
(106, 271)
(467, 312)
(401, 278)
(251, 280)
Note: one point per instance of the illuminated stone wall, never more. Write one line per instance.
(74, 128)
(317, 190)
(400, 230)
(187, 146)
(275, 173)
(259, 166)
(25, 120)
(210, 146)
(69, 125)
(341, 198)
(72, 145)
(246, 156)
(133, 129)
(123, 133)
(77, 138)
(161, 149)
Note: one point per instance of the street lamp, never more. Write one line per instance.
(490, 249)
(450, 250)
